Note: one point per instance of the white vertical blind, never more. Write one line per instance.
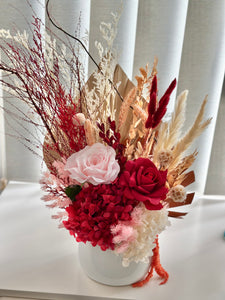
(126, 37)
(188, 37)
(216, 175)
(202, 72)
(3, 170)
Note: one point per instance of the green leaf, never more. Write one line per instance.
(73, 190)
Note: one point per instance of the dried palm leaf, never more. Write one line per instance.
(125, 107)
(176, 214)
(187, 201)
(125, 86)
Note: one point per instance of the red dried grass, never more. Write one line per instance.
(154, 265)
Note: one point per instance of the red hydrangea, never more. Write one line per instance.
(95, 210)
(142, 181)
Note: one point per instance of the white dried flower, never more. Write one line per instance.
(79, 119)
(148, 225)
(177, 193)
(164, 158)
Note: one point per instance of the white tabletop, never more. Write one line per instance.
(37, 260)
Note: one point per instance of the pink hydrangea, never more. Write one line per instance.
(94, 164)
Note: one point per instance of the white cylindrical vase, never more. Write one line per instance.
(106, 267)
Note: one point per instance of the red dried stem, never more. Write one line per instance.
(155, 114)
(154, 265)
(41, 88)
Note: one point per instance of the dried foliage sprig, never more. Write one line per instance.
(169, 132)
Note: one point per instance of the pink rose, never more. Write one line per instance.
(95, 164)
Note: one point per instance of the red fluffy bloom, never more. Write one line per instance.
(93, 212)
(141, 180)
(157, 112)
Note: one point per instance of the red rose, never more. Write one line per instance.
(142, 181)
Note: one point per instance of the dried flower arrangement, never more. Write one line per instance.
(115, 167)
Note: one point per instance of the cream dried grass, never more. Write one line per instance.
(161, 137)
(197, 128)
(177, 121)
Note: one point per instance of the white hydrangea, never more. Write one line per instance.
(152, 223)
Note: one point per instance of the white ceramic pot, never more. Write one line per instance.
(106, 267)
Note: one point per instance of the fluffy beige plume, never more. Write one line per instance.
(161, 137)
(89, 132)
(177, 121)
(197, 128)
(125, 107)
